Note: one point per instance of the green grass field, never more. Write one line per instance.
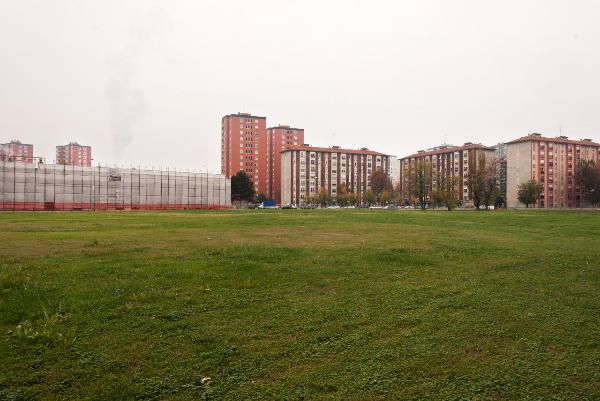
(300, 305)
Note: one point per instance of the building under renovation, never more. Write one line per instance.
(38, 186)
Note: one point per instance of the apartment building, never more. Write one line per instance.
(452, 161)
(306, 169)
(394, 171)
(279, 139)
(74, 154)
(501, 160)
(244, 147)
(551, 162)
(16, 151)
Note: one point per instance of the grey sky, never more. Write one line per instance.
(153, 78)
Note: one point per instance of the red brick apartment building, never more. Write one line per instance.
(16, 151)
(279, 139)
(244, 147)
(305, 170)
(552, 162)
(453, 161)
(74, 154)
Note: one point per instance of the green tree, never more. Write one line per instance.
(436, 199)
(588, 179)
(242, 188)
(500, 202)
(529, 192)
(260, 198)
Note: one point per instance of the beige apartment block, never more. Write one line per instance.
(306, 169)
(551, 162)
(452, 161)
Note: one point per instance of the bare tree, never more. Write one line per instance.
(369, 197)
(380, 182)
(476, 180)
(446, 192)
(490, 186)
(324, 199)
(421, 183)
(342, 195)
(385, 198)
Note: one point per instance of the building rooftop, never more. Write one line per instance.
(73, 144)
(334, 149)
(246, 115)
(559, 139)
(449, 148)
(286, 127)
(16, 142)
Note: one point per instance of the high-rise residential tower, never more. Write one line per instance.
(552, 163)
(279, 139)
(244, 147)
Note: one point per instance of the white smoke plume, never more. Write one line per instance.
(125, 92)
(127, 100)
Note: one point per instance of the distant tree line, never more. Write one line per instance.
(380, 192)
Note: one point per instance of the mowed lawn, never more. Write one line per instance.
(300, 305)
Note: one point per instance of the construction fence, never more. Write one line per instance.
(37, 186)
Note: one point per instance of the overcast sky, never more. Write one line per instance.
(147, 82)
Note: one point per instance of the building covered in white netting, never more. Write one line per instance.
(38, 186)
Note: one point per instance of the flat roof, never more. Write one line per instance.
(243, 115)
(16, 142)
(73, 144)
(540, 138)
(333, 150)
(450, 149)
(286, 127)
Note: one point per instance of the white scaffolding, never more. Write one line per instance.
(36, 186)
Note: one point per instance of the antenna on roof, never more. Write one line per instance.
(560, 130)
